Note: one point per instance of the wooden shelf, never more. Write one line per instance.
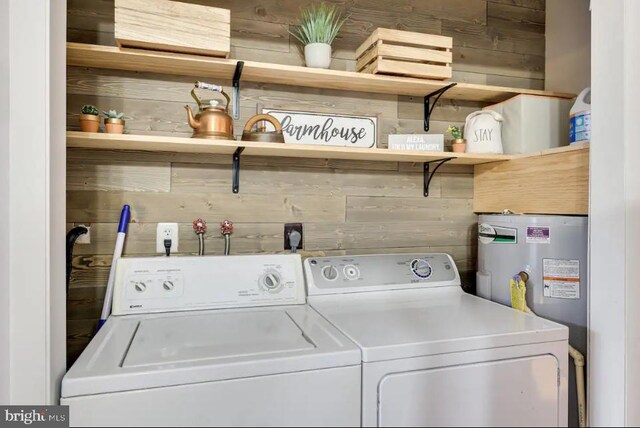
(189, 145)
(554, 181)
(114, 58)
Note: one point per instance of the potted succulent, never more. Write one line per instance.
(458, 144)
(318, 27)
(113, 122)
(89, 118)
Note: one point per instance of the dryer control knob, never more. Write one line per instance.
(168, 285)
(351, 272)
(330, 273)
(421, 268)
(140, 286)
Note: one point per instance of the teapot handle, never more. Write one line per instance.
(210, 87)
(259, 118)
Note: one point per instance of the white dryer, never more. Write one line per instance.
(214, 341)
(433, 355)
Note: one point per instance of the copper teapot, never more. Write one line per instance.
(213, 120)
(261, 134)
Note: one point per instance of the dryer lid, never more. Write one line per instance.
(415, 323)
(149, 351)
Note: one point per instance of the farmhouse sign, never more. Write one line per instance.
(327, 129)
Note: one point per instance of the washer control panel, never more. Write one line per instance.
(165, 284)
(327, 275)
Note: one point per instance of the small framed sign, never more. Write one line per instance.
(326, 129)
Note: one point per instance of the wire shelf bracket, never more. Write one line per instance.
(428, 174)
(429, 106)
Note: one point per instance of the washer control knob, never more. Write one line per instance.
(140, 286)
(351, 272)
(271, 281)
(168, 285)
(421, 268)
(330, 273)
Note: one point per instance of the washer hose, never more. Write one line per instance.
(72, 236)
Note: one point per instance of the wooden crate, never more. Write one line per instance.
(173, 26)
(406, 53)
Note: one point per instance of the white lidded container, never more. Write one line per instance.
(533, 123)
(483, 132)
(580, 118)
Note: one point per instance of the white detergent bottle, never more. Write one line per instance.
(580, 118)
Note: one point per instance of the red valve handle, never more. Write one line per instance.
(199, 226)
(226, 227)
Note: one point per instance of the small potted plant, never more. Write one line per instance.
(89, 119)
(318, 27)
(458, 144)
(113, 122)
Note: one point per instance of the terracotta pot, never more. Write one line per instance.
(459, 145)
(89, 123)
(114, 126)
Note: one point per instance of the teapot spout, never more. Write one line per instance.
(193, 122)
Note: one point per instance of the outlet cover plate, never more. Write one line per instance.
(167, 231)
(288, 227)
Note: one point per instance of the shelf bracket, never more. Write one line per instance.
(428, 106)
(236, 169)
(428, 176)
(236, 89)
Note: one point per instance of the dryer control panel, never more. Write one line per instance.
(331, 275)
(166, 284)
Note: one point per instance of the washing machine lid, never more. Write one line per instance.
(414, 323)
(150, 351)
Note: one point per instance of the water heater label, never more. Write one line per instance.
(538, 235)
(561, 278)
(488, 234)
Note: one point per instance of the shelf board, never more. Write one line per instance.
(556, 150)
(153, 143)
(108, 57)
(554, 181)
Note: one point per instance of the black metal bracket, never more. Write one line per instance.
(236, 89)
(428, 176)
(428, 106)
(236, 169)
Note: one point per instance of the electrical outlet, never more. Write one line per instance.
(288, 227)
(166, 231)
(85, 238)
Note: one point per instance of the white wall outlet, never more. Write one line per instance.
(166, 231)
(86, 237)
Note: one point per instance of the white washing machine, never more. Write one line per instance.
(214, 341)
(433, 355)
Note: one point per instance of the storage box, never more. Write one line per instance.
(533, 123)
(173, 26)
(406, 53)
(417, 142)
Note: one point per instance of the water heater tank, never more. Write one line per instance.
(553, 251)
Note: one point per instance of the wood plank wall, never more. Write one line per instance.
(346, 207)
